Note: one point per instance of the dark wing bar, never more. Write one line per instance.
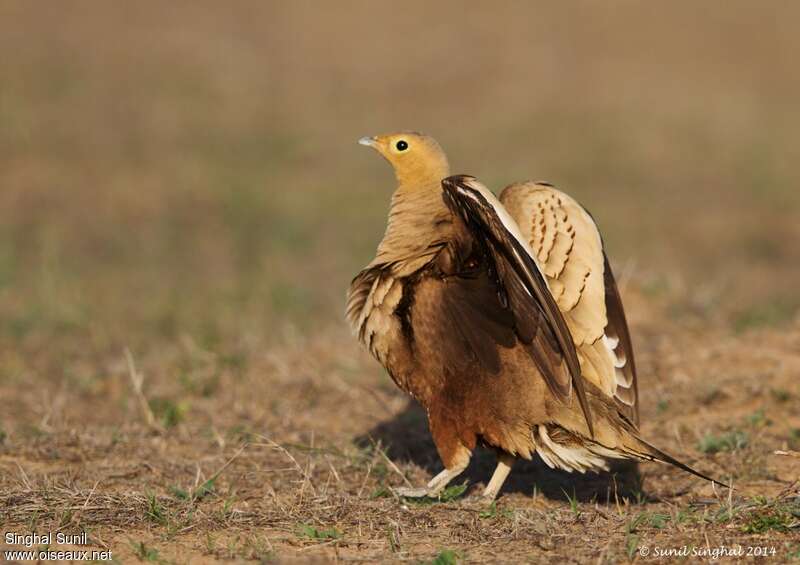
(619, 326)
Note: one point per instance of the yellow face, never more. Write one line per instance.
(416, 158)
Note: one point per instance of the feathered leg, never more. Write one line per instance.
(434, 487)
(455, 465)
(504, 464)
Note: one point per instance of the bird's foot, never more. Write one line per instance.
(413, 492)
(436, 484)
(478, 501)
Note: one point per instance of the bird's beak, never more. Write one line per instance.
(368, 141)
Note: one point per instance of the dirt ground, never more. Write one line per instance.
(182, 206)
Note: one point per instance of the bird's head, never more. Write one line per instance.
(417, 159)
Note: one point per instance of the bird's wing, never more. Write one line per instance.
(371, 301)
(567, 245)
(521, 287)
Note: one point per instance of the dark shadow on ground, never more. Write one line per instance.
(405, 438)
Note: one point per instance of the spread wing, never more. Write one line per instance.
(522, 291)
(568, 247)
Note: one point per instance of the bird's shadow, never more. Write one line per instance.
(405, 438)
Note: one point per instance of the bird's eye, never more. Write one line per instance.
(401, 145)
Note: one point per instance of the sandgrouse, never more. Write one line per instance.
(501, 318)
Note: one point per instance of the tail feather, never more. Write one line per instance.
(652, 453)
(616, 437)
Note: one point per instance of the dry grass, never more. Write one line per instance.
(182, 205)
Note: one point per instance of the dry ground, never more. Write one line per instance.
(182, 202)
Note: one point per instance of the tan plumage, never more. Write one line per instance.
(501, 317)
(568, 247)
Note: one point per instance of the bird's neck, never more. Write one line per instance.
(418, 220)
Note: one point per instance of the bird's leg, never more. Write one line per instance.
(436, 484)
(455, 460)
(504, 463)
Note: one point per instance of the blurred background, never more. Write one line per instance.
(191, 169)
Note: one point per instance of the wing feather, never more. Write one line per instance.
(583, 285)
(617, 330)
(536, 313)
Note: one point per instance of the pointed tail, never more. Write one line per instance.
(652, 453)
